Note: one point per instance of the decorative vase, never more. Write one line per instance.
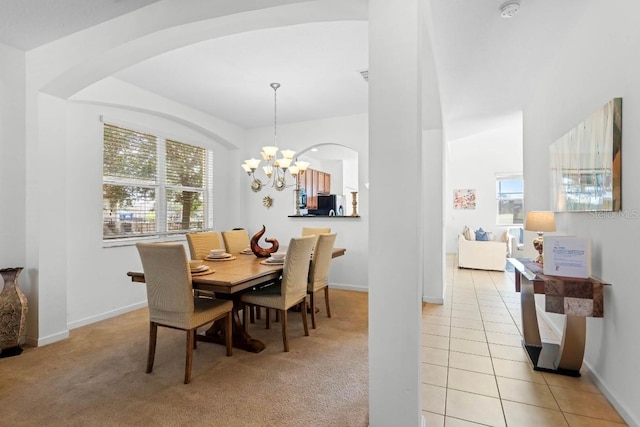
(13, 313)
(354, 203)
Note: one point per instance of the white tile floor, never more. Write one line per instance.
(475, 371)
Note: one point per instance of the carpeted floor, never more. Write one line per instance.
(97, 378)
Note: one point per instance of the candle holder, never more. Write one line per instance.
(354, 203)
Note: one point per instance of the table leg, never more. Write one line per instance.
(565, 359)
(241, 339)
(530, 331)
(571, 350)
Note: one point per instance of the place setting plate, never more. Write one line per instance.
(270, 261)
(225, 257)
(202, 272)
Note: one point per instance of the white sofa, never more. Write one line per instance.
(482, 255)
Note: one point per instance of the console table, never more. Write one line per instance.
(574, 297)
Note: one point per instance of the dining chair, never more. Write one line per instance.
(291, 289)
(201, 243)
(171, 301)
(236, 240)
(199, 246)
(319, 272)
(308, 231)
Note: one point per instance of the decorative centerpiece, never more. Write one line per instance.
(262, 252)
(13, 313)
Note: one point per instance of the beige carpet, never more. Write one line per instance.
(97, 378)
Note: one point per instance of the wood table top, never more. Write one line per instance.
(236, 275)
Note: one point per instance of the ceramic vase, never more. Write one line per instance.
(13, 313)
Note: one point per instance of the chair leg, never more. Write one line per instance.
(229, 333)
(189, 361)
(303, 310)
(326, 301)
(195, 339)
(283, 320)
(313, 309)
(153, 334)
(268, 318)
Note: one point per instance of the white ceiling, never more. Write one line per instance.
(488, 67)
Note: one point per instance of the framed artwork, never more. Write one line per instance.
(586, 163)
(464, 199)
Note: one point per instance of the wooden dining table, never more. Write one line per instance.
(228, 280)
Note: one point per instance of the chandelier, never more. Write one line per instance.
(275, 168)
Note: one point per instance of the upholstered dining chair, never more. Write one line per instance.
(292, 288)
(308, 231)
(171, 300)
(319, 272)
(201, 243)
(236, 240)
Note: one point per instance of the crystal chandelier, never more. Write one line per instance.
(275, 168)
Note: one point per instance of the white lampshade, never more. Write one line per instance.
(284, 163)
(270, 151)
(540, 221)
(302, 166)
(293, 170)
(252, 163)
(246, 168)
(268, 170)
(288, 154)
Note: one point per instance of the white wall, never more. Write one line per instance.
(350, 271)
(12, 158)
(109, 291)
(472, 163)
(596, 64)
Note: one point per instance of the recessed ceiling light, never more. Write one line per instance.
(509, 9)
(314, 149)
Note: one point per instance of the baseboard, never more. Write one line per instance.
(624, 412)
(433, 300)
(349, 287)
(106, 315)
(52, 338)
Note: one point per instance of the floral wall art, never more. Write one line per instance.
(464, 199)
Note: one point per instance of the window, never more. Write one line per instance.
(153, 186)
(510, 197)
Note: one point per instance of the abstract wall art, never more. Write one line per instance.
(586, 163)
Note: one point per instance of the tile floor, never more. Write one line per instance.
(475, 372)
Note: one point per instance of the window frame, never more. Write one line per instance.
(499, 198)
(161, 187)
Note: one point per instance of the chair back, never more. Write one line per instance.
(322, 254)
(168, 279)
(307, 231)
(201, 243)
(296, 268)
(236, 241)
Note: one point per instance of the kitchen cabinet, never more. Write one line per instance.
(315, 182)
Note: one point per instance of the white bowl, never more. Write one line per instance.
(278, 255)
(195, 263)
(216, 252)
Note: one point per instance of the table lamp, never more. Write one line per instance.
(540, 221)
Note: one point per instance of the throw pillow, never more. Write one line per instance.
(482, 235)
(468, 234)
